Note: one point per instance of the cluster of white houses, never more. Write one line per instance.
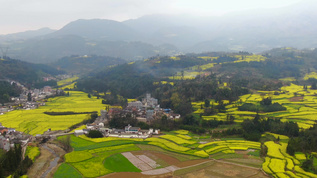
(127, 132)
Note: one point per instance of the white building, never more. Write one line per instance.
(148, 101)
(137, 104)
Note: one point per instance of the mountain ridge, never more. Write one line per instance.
(253, 31)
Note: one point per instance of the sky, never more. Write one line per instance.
(22, 15)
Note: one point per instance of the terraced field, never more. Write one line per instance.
(280, 164)
(301, 106)
(192, 72)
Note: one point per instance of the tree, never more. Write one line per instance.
(94, 134)
(207, 103)
(89, 95)
(189, 120)
(263, 151)
(266, 101)
(65, 142)
(29, 96)
(313, 86)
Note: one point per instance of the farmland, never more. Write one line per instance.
(101, 156)
(98, 157)
(278, 163)
(32, 152)
(192, 72)
(36, 121)
(67, 81)
(300, 103)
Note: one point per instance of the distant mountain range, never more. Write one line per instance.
(253, 31)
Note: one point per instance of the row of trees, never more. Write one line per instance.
(254, 128)
(306, 142)
(265, 106)
(11, 163)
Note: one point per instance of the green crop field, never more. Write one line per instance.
(113, 162)
(65, 171)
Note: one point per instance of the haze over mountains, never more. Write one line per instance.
(253, 31)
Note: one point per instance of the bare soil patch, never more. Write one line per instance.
(135, 175)
(191, 162)
(162, 159)
(296, 99)
(222, 170)
(249, 162)
(166, 160)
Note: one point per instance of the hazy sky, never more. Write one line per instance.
(21, 15)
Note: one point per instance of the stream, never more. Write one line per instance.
(52, 163)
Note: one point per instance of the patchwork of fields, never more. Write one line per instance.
(92, 157)
(301, 106)
(193, 72)
(98, 157)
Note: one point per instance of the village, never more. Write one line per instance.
(146, 111)
(31, 98)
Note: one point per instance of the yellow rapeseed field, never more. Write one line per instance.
(36, 122)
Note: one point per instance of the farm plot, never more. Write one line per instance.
(67, 81)
(98, 157)
(32, 152)
(36, 121)
(280, 164)
(137, 162)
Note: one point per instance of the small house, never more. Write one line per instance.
(130, 129)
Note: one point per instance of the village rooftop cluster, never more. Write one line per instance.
(145, 111)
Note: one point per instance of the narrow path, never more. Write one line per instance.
(170, 169)
(196, 164)
(52, 164)
(236, 164)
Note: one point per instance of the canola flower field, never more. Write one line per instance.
(36, 121)
(67, 81)
(279, 163)
(193, 72)
(301, 106)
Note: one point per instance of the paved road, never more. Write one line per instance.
(52, 164)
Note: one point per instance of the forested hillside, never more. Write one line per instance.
(24, 72)
(84, 64)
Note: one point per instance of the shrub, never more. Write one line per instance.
(94, 134)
